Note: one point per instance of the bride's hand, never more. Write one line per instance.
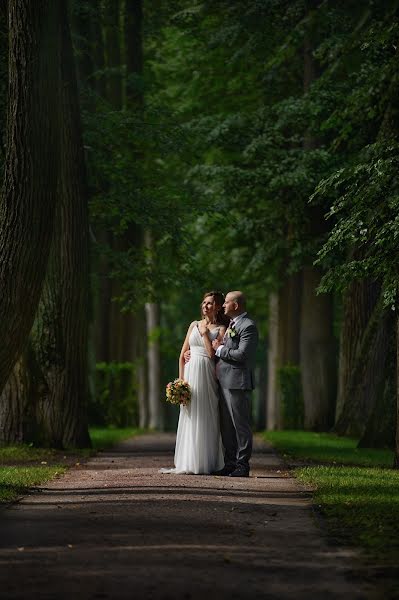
(202, 328)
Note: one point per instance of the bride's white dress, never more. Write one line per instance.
(198, 442)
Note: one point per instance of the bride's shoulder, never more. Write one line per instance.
(192, 324)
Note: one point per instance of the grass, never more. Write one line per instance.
(102, 438)
(16, 480)
(356, 491)
(24, 466)
(325, 447)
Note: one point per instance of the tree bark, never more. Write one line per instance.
(30, 180)
(140, 338)
(273, 416)
(113, 52)
(154, 367)
(134, 53)
(317, 345)
(396, 459)
(3, 76)
(60, 333)
(284, 322)
(134, 99)
(357, 383)
(317, 353)
(14, 401)
(379, 431)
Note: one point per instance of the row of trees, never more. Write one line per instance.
(224, 145)
(81, 209)
(293, 108)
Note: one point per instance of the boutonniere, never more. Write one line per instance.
(231, 332)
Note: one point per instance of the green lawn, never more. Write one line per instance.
(106, 437)
(16, 480)
(357, 491)
(24, 466)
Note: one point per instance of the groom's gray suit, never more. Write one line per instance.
(234, 370)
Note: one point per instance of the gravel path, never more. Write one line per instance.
(117, 528)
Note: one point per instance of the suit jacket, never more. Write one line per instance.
(234, 369)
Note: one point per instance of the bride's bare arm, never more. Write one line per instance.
(186, 346)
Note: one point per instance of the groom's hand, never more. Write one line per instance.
(215, 344)
(187, 356)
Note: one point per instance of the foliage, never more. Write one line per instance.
(115, 401)
(289, 381)
(363, 192)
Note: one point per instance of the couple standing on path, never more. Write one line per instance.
(214, 432)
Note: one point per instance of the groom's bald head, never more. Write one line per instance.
(234, 303)
(238, 297)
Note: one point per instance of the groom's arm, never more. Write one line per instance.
(248, 340)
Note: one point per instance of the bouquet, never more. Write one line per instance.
(178, 392)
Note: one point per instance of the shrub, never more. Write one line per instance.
(115, 401)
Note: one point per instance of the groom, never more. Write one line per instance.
(234, 371)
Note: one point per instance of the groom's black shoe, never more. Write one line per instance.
(224, 472)
(240, 472)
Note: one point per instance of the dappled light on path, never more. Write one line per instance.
(117, 528)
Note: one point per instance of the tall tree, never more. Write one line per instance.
(152, 309)
(317, 347)
(134, 95)
(29, 192)
(60, 332)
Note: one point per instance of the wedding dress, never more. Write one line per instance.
(198, 442)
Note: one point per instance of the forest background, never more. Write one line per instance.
(156, 150)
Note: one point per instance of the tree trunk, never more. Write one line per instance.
(31, 166)
(60, 333)
(380, 428)
(3, 77)
(113, 52)
(134, 53)
(317, 348)
(273, 417)
(284, 322)
(140, 337)
(135, 104)
(154, 366)
(289, 320)
(396, 459)
(355, 400)
(14, 401)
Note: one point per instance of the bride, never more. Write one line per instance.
(199, 447)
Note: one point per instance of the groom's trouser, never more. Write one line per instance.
(235, 426)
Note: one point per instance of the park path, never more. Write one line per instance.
(117, 528)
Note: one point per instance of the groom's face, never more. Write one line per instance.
(230, 305)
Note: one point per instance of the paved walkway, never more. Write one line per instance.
(117, 528)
